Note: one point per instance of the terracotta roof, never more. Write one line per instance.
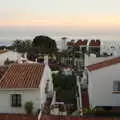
(103, 64)
(3, 69)
(78, 43)
(94, 43)
(81, 42)
(22, 76)
(70, 43)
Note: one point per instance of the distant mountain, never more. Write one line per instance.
(5, 43)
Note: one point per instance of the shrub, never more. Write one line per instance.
(29, 107)
(88, 111)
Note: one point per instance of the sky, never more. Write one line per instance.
(85, 16)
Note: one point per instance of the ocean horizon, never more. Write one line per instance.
(9, 34)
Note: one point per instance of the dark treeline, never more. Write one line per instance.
(40, 44)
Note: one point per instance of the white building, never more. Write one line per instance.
(111, 47)
(104, 83)
(13, 56)
(22, 83)
(89, 60)
(92, 59)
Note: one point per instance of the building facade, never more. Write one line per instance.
(23, 83)
(104, 83)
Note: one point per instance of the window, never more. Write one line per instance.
(16, 100)
(116, 85)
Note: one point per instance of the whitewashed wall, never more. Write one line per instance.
(100, 86)
(106, 46)
(37, 96)
(10, 55)
(92, 59)
(27, 95)
(46, 76)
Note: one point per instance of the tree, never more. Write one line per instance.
(41, 44)
(63, 81)
(65, 87)
(27, 44)
(22, 46)
(44, 43)
(17, 44)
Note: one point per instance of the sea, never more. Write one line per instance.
(9, 34)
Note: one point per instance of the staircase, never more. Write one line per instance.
(46, 110)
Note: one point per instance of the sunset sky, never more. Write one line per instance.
(76, 14)
(84, 13)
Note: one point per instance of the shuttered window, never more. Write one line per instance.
(16, 100)
(116, 85)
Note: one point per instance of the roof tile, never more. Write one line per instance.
(103, 64)
(22, 76)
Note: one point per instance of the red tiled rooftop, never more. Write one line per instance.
(94, 43)
(78, 43)
(70, 43)
(81, 42)
(46, 117)
(3, 69)
(22, 76)
(103, 64)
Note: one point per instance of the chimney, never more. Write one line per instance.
(46, 59)
(25, 55)
(36, 60)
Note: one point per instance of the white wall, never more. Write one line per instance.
(92, 59)
(27, 95)
(46, 76)
(100, 86)
(107, 44)
(37, 96)
(10, 55)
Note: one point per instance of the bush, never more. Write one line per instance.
(88, 111)
(29, 107)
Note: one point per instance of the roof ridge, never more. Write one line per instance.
(28, 63)
(104, 63)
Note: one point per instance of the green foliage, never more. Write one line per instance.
(56, 80)
(40, 44)
(68, 96)
(65, 87)
(88, 111)
(64, 82)
(28, 107)
(22, 46)
(44, 42)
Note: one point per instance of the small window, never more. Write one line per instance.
(116, 85)
(16, 100)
